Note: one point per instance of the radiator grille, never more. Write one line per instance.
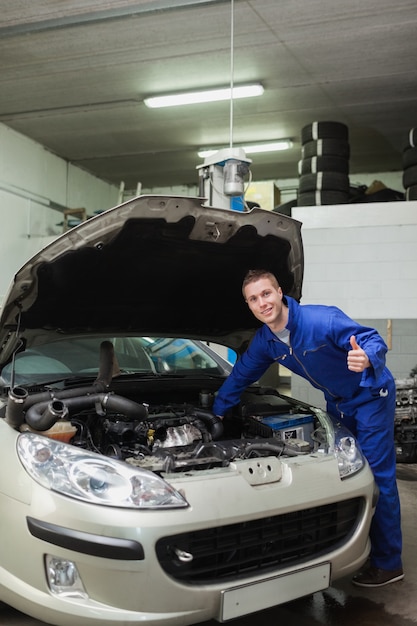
(244, 549)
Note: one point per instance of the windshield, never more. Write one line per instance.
(143, 355)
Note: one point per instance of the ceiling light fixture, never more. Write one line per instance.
(211, 95)
(272, 146)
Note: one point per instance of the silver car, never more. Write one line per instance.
(124, 500)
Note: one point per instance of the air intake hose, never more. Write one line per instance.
(15, 406)
(19, 400)
(214, 423)
(40, 417)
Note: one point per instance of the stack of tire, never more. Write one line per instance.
(410, 166)
(324, 166)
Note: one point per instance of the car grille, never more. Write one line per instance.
(247, 548)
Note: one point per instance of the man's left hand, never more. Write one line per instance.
(357, 359)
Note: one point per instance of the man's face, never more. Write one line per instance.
(265, 302)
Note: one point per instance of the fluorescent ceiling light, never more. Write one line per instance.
(271, 146)
(212, 95)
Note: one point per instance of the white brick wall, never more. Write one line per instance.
(361, 258)
(32, 180)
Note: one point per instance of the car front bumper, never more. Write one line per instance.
(103, 543)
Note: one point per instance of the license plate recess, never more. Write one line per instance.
(246, 599)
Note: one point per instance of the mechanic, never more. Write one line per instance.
(346, 361)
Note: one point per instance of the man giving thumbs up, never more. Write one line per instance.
(356, 359)
(346, 361)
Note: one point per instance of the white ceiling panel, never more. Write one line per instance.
(74, 75)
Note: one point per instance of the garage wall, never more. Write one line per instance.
(35, 187)
(363, 259)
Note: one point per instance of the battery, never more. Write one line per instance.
(291, 426)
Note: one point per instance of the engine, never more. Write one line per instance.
(163, 439)
(405, 421)
(128, 420)
(171, 439)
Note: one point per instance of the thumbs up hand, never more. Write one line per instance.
(357, 360)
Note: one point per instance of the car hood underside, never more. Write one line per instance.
(155, 264)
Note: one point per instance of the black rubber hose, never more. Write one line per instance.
(213, 422)
(275, 448)
(39, 418)
(64, 394)
(108, 365)
(15, 406)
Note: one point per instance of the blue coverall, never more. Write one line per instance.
(364, 402)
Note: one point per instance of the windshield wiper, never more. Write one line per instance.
(67, 381)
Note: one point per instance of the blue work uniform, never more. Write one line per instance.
(319, 341)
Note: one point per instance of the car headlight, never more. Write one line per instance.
(349, 456)
(93, 478)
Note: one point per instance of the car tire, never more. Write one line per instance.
(327, 163)
(324, 180)
(410, 177)
(411, 193)
(412, 138)
(409, 157)
(324, 130)
(321, 197)
(326, 147)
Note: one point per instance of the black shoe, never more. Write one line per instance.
(375, 577)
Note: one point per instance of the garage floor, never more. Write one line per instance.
(343, 604)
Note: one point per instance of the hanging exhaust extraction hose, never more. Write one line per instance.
(39, 417)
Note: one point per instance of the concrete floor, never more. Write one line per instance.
(343, 604)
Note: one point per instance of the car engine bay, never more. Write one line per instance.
(405, 420)
(164, 438)
(164, 423)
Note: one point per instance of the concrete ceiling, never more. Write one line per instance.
(74, 74)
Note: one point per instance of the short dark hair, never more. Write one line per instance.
(254, 275)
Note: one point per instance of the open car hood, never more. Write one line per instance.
(153, 265)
